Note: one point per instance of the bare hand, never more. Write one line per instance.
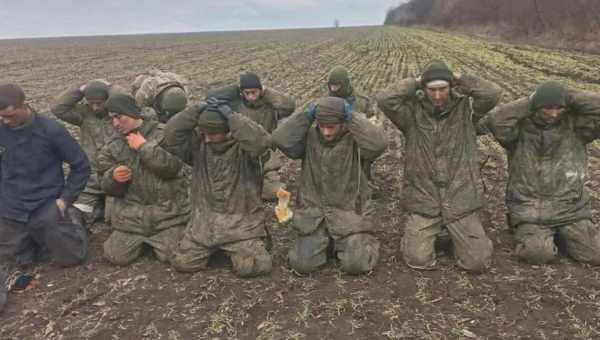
(135, 140)
(122, 174)
(62, 206)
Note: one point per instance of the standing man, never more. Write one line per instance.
(84, 106)
(224, 149)
(151, 206)
(436, 114)
(334, 207)
(545, 137)
(35, 198)
(162, 93)
(266, 107)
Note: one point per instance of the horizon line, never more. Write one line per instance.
(177, 32)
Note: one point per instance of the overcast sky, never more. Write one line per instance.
(35, 18)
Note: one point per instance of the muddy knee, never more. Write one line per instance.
(360, 254)
(536, 250)
(122, 249)
(255, 260)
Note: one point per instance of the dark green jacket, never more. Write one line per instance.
(156, 198)
(332, 185)
(547, 163)
(441, 171)
(226, 178)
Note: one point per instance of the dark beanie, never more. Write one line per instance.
(211, 121)
(249, 80)
(330, 110)
(96, 90)
(549, 93)
(11, 95)
(436, 71)
(123, 104)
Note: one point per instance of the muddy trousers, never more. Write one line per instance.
(358, 253)
(46, 233)
(536, 243)
(123, 248)
(249, 257)
(91, 202)
(472, 248)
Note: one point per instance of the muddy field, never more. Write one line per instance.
(149, 300)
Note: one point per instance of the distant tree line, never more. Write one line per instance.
(509, 18)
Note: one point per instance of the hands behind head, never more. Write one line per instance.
(348, 110)
(221, 106)
(311, 112)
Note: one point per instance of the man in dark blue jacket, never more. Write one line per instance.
(35, 198)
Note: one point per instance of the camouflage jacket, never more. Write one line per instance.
(269, 109)
(156, 198)
(547, 163)
(440, 164)
(226, 177)
(95, 128)
(332, 186)
(146, 87)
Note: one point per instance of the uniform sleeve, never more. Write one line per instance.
(137, 83)
(283, 104)
(398, 101)
(503, 121)
(485, 94)
(179, 132)
(586, 108)
(230, 93)
(67, 107)
(162, 163)
(106, 166)
(251, 137)
(290, 137)
(146, 94)
(369, 137)
(79, 166)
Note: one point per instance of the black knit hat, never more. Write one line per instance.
(549, 93)
(250, 80)
(330, 110)
(436, 71)
(211, 121)
(123, 104)
(11, 95)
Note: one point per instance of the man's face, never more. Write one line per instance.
(124, 124)
(14, 117)
(252, 95)
(551, 114)
(215, 137)
(96, 105)
(330, 131)
(439, 96)
(334, 87)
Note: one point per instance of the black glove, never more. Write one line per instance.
(214, 101)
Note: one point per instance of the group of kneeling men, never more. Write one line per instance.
(188, 180)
